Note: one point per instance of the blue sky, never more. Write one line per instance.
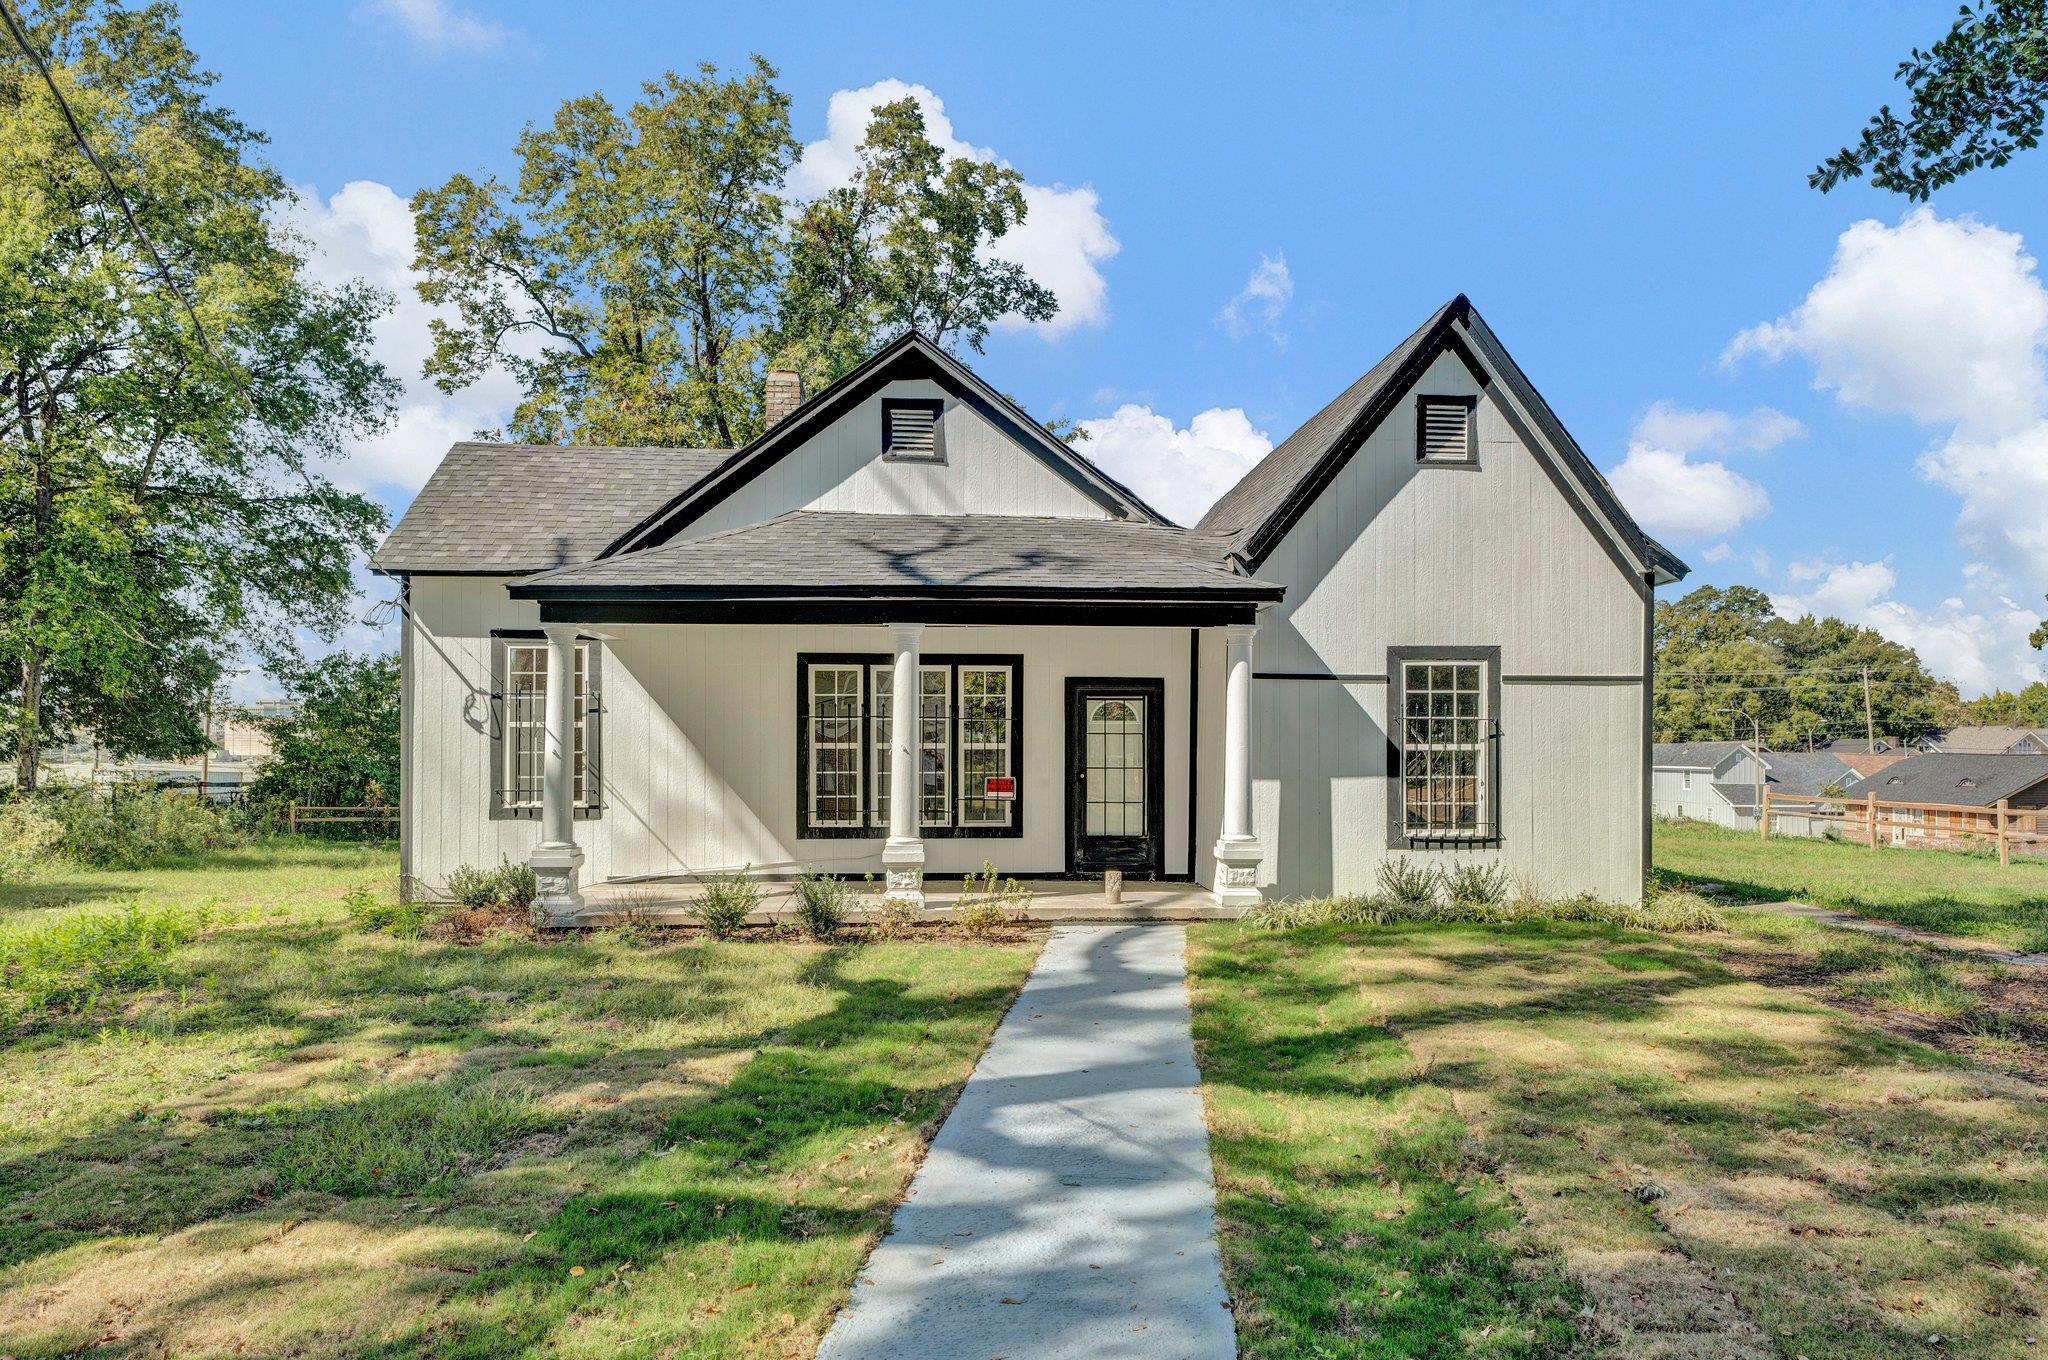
(1823, 396)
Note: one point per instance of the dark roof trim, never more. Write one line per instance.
(910, 355)
(1249, 590)
(1121, 613)
(1441, 335)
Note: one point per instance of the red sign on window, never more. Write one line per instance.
(999, 786)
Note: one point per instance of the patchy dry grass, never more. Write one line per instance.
(298, 878)
(305, 1138)
(1688, 1142)
(1944, 891)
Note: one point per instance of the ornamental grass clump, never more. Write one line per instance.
(726, 902)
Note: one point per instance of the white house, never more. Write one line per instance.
(907, 631)
(1723, 782)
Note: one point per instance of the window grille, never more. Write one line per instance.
(1449, 753)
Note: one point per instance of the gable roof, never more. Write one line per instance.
(1806, 772)
(1694, 755)
(1256, 514)
(508, 509)
(1938, 777)
(909, 355)
(816, 553)
(1989, 739)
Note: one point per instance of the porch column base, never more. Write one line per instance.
(557, 873)
(903, 871)
(1237, 871)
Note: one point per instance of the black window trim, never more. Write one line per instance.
(1397, 703)
(866, 662)
(592, 806)
(937, 407)
(1471, 408)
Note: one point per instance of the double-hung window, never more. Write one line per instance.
(968, 742)
(519, 670)
(1445, 746)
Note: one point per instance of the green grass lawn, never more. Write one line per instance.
(1938, 890)
(296, 1137)
(1449, 1140)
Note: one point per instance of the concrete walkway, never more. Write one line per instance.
(1066, 1208)
(1849, 920)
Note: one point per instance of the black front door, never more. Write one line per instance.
(1115, 748)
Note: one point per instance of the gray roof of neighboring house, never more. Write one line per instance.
(814, 551)
(1805, 772)
(1940, 777)
(1741, 797)
(1987, 740)
(1253, 511)
(517, 508)
(1694, 755)
(1859, 745)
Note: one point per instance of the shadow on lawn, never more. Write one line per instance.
(730, 1164)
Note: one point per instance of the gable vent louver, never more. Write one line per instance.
(1445, 430)
(910, 429)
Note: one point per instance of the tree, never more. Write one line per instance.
(1979, 95)
(645, 269)
(341, 745)
(151, 523)
(1724, 652)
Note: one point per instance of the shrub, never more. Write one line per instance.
(1408, 880)
(68, 964)
(369, 911)
(1484, 883)
(516, 885)
(820, 904)
(726, 902)
(474, 888)
(987, 905)
(136, 826)
(26, 838)
(893, 918)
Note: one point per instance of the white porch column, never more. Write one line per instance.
(557, 858)
(1238, 852)
(903, 853)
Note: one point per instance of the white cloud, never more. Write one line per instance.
(1719, 552)
(1062, 241)
(439, 26)
(1180, 472)
(1686, 430)
(1678, 499)
(1978, 639)
(1941, 319)
(365, 231)
(1262, 301)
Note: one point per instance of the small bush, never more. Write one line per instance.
(1486, 883)
(1674, 912)
(516, 885)
(820, 904)
(26, 838)
(370, 912)
(726, 902)
(477, 889)
(1409, 881)
(66, 965)
(893, 918)
(399, 1140)
(988, 905)
(136, 826)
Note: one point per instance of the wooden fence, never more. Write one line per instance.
(1873, 821)
(313, 814)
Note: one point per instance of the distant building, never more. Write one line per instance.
(1955, 785)
(1718, 781)
(1991, 740)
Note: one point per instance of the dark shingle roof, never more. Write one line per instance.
(808, 551)
(1693, 755)
(1988, 740)
(1805, 772)
(517, 508)
(1939, 777)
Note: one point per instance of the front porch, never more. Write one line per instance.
(666, 901)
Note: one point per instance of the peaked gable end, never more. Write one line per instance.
(911, 392)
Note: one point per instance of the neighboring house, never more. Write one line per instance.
(1992, 740)
(1401, 634)
(1957, 785)
(1720, 781)
(1865, 746)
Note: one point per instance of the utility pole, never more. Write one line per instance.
(1869, 726)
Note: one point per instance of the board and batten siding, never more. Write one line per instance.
(1400, 554)
(700, 740)
(985, 472)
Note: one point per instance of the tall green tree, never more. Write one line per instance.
(150, 523)
(341, 744)
(646, 267)
(1978, 99)
(1724, 657)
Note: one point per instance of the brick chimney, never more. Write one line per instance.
(785, 394)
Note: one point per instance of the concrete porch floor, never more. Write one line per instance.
(665, 901)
